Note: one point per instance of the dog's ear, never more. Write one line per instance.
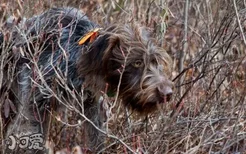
(112, 61)
(114, 45)
(113, 42)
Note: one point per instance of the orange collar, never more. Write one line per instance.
(92, 35)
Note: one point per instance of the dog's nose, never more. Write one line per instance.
(165, 91)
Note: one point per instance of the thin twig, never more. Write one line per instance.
(185, 45)
(238, 21)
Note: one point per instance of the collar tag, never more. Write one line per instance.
(92, 35)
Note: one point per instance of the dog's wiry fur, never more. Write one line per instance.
(122, 54)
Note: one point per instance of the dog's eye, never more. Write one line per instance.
(138, 63)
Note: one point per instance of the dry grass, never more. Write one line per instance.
(209, 116)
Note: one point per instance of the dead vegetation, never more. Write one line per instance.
(206, 116)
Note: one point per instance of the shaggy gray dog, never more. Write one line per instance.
(59, 56)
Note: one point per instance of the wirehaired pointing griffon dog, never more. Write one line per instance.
(62, 57)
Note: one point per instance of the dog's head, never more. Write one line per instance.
(134, 62)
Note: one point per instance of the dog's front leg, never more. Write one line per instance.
(93, 110)
(25, 133)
